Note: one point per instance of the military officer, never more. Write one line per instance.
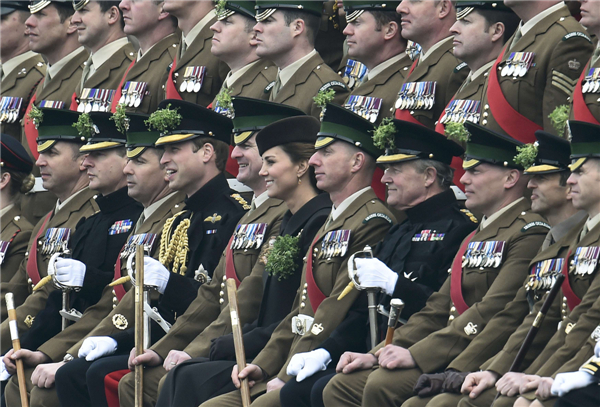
(16, 179)
(110, 53)
(580, 387)
(196, 75)
(60, 165)
(330, 39)
(486, 273)
(344, 164)
(140, 88)
(22, 69)
(302, 73)
(52, 35)
(374, 40)
(232, 44)
(537, 71)
(436, 74)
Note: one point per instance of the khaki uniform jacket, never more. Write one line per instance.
(438, 334)
(198, 54)
(252, 84)
(331, 277)
(592, 100)
(385, 86)
(16, 230)
(447, 71)
(82, 205)
(69, 340)
(21, 82)
(208, 315)
(509, 328)
(561, 49)
(153, 69)
(313, 76)
(110, 73)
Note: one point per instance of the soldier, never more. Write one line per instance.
(22, 69)
(436, 74)
(100, 30)
(548, 166)
(579, 388)
(330, 39)
(537, 71)
(412, 261)
(286, 35)
(374, 40)
(60, 164)
(232, 42)
(196, 75)
(478, 287)
(16, 179)
(52, 35)
(344, 165)
(140, 89)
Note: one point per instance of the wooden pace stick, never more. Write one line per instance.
(396, 306)
(139, 324)
(16, 343)
(238, 341)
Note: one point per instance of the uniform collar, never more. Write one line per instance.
(234, 76)
(425, 210)
(154, 206)
(286, 73)
(103, 54)
(592, 222)
(60, 205)
(13, 63)
(55, 69)
(261, 199)
(114, 201)
(474, 75)
(211, 190)
(336, 212)
(382, 66)
(193, 34)
(487, 221)
(525, 28)
(293, 222)
(6, 209)
(431, 50)
(560, 230)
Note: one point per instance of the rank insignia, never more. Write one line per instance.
(241, 201)
(120, 322)
(3, 249)
(29, 321)
(484, 254)
(213, 219)
(121, 226)
(335, 243)
(544, 274)
(56, 240)
(201, 275)
(10, 109)
(317, 329)
(249, 236)
(470, 215)
(428, 236)
(471, 329)
(585, 260)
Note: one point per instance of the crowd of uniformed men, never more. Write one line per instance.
(268, 142)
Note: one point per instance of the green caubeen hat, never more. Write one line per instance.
(140, 136)
(252, 115)
(486, 146)
(341, 124)
(355, 8)
(55, 125)
(549, 154)
(226, 8)
(101, 130)
(266, 8)
(585, 142)
(465, 7)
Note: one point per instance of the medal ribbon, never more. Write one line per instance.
(456, 277)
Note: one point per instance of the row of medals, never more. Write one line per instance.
(544, 274)
(10, 108)
(365, 106)
(56, 240)
(483, 254)
(592, 81)
(517, 64)
(192, 79)
(335, 243)
(95, 100)
(416, 95)
(133, 93)
(460, 111)
(146, 239)
(354, 73)
(585, 260)
(413, 50)
(249, 236)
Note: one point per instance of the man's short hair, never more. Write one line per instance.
(107, 5)
(385, 17)
(509, 19)
(65, 10)
(221, 150)
(445, 173)
(312, 22)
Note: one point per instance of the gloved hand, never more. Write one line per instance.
(597, 350)
(95, 347)
(429, 384)
(454, 381)
(155, 274)
(306, 364)
(222, 348)
(566, 382)
(4, 375)
(70, 272)
(373, 273)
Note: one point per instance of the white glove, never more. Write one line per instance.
(95, 347)
(4, 375)
(155, 274)
(566, 382)
(597, 349)
(306, 364)
(373, 273)
(70, 272)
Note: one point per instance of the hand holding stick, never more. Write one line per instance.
(238, 342)
(16, 343)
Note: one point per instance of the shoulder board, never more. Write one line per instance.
(378, 215)
(535, 224)
(470, 215)
(269, 87)
(332, 83)
(575, 34)
(460, 66)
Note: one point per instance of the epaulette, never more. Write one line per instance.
(576, 34)
(241, 201)
(470, 215)
(460, 66)
(332, 83)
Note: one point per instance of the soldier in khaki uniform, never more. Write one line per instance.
(537, 71)
(478, 286)
(16, 230)
(22, 69)
(286, 35)
(344, 164)
(436, 74)
(374, 39)
(110, 54)
(249, 75)
(196, 75)
(60, 164)
(140, 89)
